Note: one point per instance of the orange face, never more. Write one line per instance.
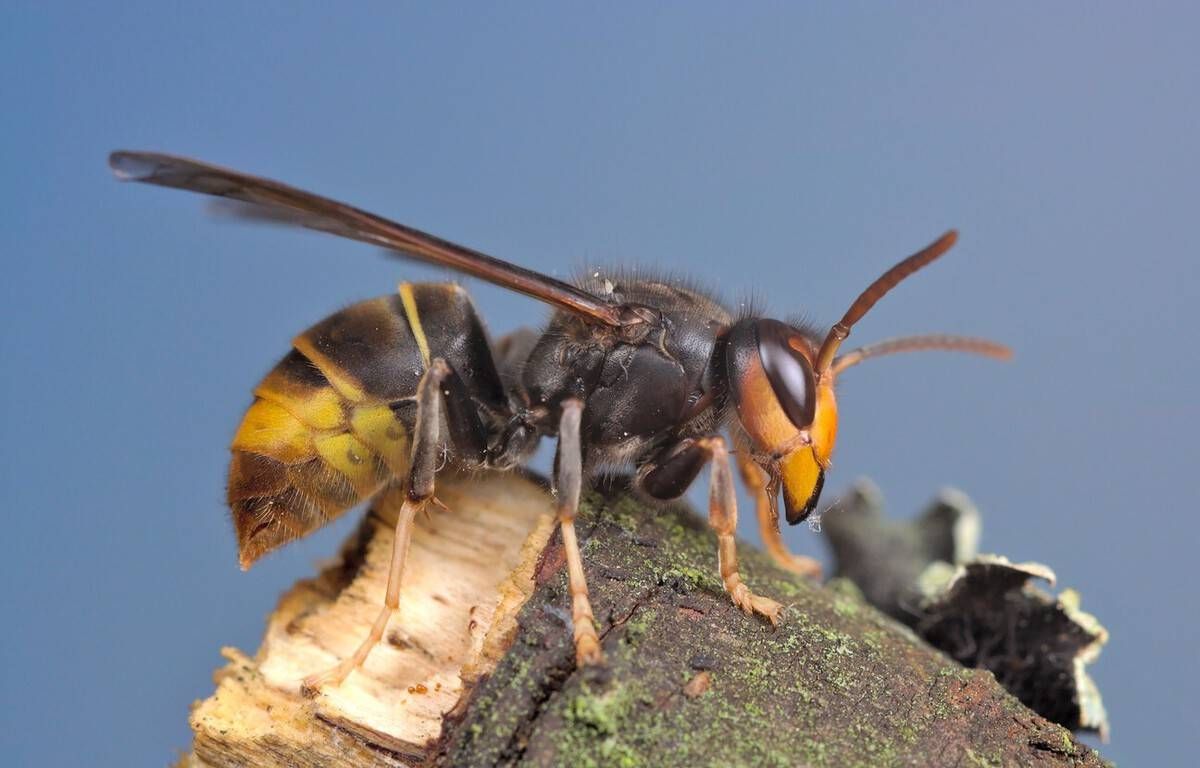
(790, 416)
(802, 471)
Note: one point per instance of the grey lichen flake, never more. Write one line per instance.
(981, 610)
(886, 558)
(988, 614)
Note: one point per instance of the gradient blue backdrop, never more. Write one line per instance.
(783, 152)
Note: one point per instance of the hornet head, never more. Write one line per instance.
(782, 383)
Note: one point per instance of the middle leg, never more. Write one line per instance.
(568, 482)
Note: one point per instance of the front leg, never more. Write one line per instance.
(755, 480)
(669, 476)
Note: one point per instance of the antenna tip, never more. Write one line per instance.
(130, 166)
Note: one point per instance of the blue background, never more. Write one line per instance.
(792, 154)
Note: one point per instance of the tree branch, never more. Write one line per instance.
(478, 667)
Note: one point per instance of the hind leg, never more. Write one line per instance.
(425, 454)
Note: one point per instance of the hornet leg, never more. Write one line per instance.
(568, 482)
(420, 491)
(722, 517)
(755, 481)
(669, 475)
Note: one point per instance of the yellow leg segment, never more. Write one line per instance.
(722, 518)
(568, 482)
(391, 601)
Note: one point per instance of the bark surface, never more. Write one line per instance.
(478, 666)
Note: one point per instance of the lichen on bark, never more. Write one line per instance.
(689, 679)
(837, 684)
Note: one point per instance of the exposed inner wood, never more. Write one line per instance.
(469, 570)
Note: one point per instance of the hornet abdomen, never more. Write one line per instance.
(331, 423)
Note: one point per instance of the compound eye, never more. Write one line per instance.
(785, 356)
